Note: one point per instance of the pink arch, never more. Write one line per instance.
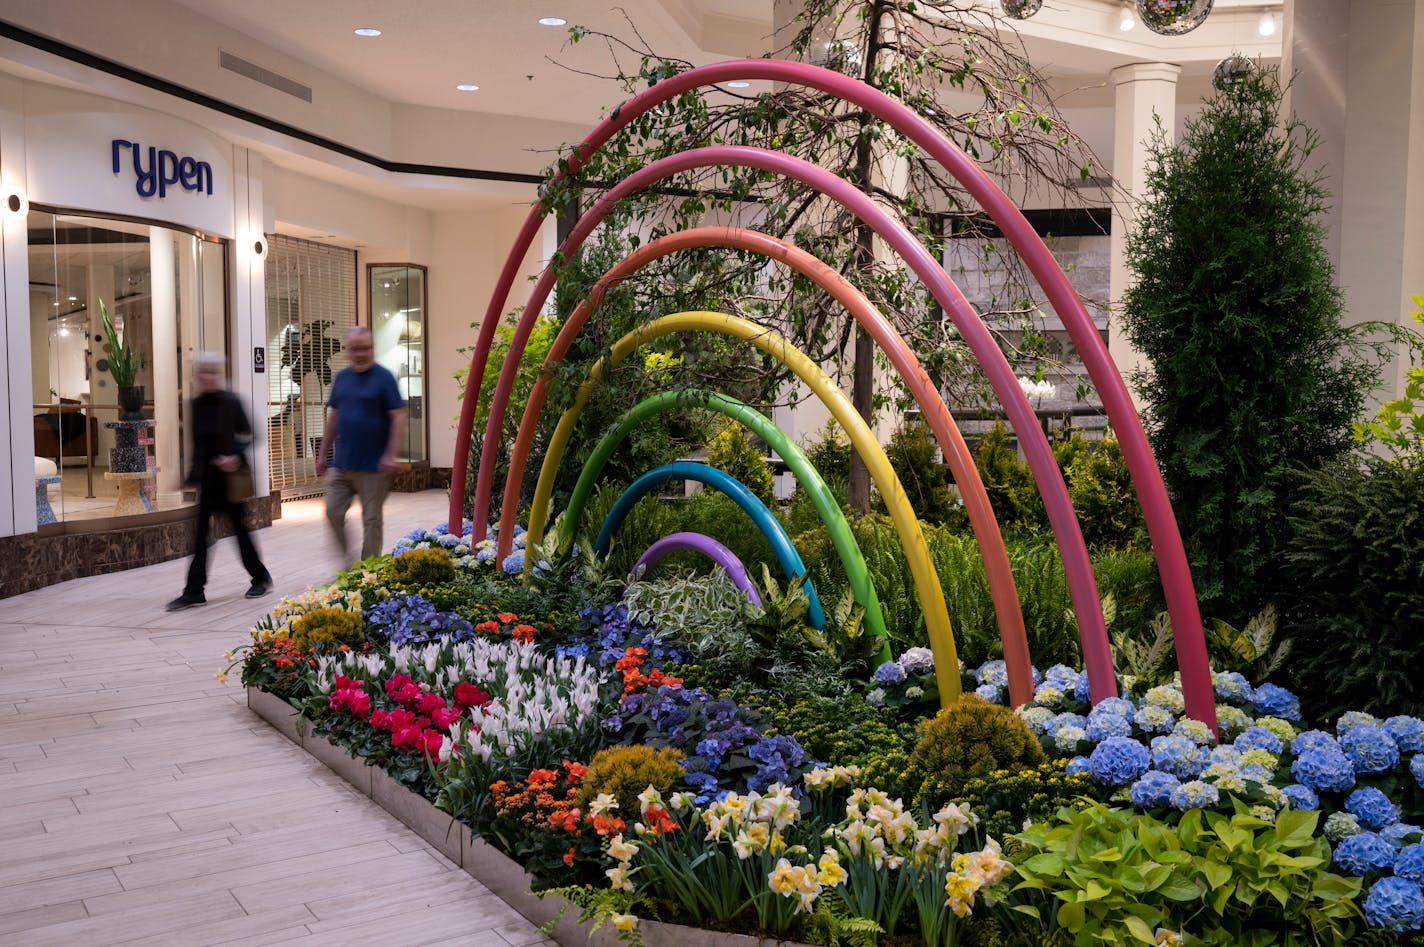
(936, 412)
(1152, 493)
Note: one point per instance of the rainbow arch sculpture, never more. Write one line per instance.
(1161, 524)
(704, 545)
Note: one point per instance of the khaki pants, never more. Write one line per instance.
(371, 486)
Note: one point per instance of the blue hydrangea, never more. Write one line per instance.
(1416, 768)
(1154, 719)
(1355, 718)
(889, 673)
(1067, 720)
(1230, 685)
(1223, 754)
(918, 661)
(1153, 790)
(993, 693)
(1370, 748)
(1402, 833)
(1037, 719)
(1116, 706)
(1061, 677)
(1195, 795)
(485, 554)
(778, 756)
(993, 672)
(876, 697)
(1078, 764)
(1362, 853)
(1259, 738)
(1407, 733)
(1372, 808)
(513, 563)
(1178, 755)
(1118, 761)
(1410, 863)
(1301, 798)
(1324, 769)
(1066, 739)
(1272, 700)
(1102, 726)
(1311, 740)
(1395, 905)
(1082, 691)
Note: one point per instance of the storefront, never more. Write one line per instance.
(156, 223)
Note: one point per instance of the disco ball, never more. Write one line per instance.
(1021, 9)
(1173, 17)
(1231, 72)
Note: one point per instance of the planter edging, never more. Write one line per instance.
(502, 875)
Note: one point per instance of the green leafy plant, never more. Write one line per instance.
(1102, 493)
(1355, 599)
(124, 362)
(1118, 877)
(971, 738)
(1009, 482)
(913, 454)
(732, 452)
(1399, 423)
(1250, 371)
(625, 771)
(1146, 659)
(1005, 801)
(1248, 650)
(418, 567)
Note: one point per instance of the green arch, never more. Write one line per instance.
(821, 497)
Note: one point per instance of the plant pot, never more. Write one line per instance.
(130, 402)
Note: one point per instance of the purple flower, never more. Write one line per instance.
(889, 673)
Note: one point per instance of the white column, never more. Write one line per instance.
(17, 444)
(163, 280)
(1142, 94)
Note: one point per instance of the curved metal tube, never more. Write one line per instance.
(786, 555)
(707, 546)
(932, 407)
(907, 525)
(1147, 479)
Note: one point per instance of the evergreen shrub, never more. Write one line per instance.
(969, 739)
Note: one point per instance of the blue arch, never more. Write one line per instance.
(720, 480)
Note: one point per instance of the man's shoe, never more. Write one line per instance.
(186, 600)
(259, 589)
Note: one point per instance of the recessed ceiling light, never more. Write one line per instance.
(739, 84)
(468, 87)
(552, 21)
(367, 31)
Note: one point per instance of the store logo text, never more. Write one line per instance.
(164, 169)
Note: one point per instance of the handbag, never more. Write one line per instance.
(239, 484)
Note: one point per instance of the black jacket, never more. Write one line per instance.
(219, 426)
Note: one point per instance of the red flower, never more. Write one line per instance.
(468, 695)
(507, 617)
(406, 695)
(396, 682)
(523, 632)
(431, 740)
(400, 718)
(569, 856)
(429, 703)
(488, 626)
(379, 718)
(444, 717)
(408, 735)
(346, 683)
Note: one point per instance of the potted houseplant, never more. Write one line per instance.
(124, 364)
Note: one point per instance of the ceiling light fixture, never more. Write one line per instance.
(1126, 20)
(367, 31)
(739, 84)
(552, 21)
(467, 87)
(1267, 24)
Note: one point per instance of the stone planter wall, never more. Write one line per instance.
(482, 861)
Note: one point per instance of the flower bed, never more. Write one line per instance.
(837, 806)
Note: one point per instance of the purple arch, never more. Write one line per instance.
(707, 546)
(1147, 480)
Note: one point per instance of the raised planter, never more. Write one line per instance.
(482, 861)
(287, 720)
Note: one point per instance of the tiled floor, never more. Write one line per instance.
(141, 802)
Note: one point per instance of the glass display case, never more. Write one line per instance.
(397, 300)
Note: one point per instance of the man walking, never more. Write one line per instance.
(365, 424)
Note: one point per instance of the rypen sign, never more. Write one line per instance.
(163, 170)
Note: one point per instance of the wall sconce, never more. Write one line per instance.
(259, 248)
(1267, 24)
(16, 202)
(1126, 20)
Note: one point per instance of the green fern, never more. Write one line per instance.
(832, 924)
(598, 905)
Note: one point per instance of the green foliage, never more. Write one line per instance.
(971, 738)
(732, 452)
(1114, 877)
(1355, 574)
(1146, 659)
(830, 454)
(849, 732)
(1102, 493)
(1248, 650)
(1399, 424)
(1235, 306)
(418, 567)
(1004, 801)
(913, 454)
(124, 363)
(1009, 483)
(625, 771)
(705, 614)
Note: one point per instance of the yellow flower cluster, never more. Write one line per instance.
(753, 822)
(621, 851)
(971, 871)
(806, 882)
(877, 828)
(826, 778)
(288, 610)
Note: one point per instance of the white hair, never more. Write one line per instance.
(215, 360)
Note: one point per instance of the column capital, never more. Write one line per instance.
(1145, 71)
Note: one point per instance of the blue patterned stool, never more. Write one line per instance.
(42, 507)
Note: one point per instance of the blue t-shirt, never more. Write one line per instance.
(363, 402)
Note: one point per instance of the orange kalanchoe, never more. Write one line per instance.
(507, 617)
(523, 632)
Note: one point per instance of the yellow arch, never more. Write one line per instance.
(907, 524)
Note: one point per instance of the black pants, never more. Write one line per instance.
(212, 499)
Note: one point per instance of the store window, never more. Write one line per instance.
(397, 296)
(165, 292)
(311, 301)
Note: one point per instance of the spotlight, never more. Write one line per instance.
(16, 202)
(1267, 25)
(1126, 20)
(552, 21)
(367, 31)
